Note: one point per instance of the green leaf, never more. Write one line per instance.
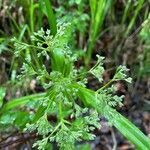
(86, 96)
(132, 133)
(129, 130)
(2, 95)
(99, 9)
(21, 101)
(22, 118)
(50, 15)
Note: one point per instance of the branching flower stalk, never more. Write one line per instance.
(76, 109)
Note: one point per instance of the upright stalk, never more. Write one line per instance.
(99, 9)
(138, 8)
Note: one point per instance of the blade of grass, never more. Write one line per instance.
(50, 15)
(40, 14)
(131, 132)
(20, 101)
(31, 16)
(22, 32)
(125, 14)
(2, 95)
(132, 22)
(32, 19)
(99, 9)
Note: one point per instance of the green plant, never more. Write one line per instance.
(75, 12)
(124, 26)
(2, 95)
(137, 8)
(49, 58)
(144, 57)
(22, 26)
(76, 109)
(99, 9)
(46, 7)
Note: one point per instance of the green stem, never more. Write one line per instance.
(106, 85)
(137, 10)
(31, 16)
(89, 52)
(60, 111)
(56, 128)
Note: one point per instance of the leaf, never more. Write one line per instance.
(131, 132)
(21, 101)
(86, 96)
(22, 118)
(50, 15)
(2, 95)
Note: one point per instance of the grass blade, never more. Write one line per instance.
(129, 130)
(132, 22)
(21, 101)
(50, 15)
(99, 9)
(132, 133)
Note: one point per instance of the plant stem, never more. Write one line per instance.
(103, 87)
(31, 16)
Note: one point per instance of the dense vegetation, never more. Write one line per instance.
(62, 64)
